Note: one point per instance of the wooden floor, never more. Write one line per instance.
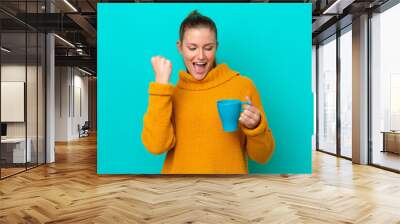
(70, 191)
(387, 159)
(5, 172)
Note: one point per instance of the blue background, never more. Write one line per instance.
(270, 43)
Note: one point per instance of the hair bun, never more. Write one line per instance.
(194, 20)
(194, 13)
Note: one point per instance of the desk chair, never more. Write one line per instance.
(84, 130)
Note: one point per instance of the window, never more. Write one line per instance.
(327, 95)
(385, 88)
(346, 92)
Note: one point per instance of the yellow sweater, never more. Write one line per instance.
(184, 122)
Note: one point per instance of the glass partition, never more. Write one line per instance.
(14, 153)
(22, 77)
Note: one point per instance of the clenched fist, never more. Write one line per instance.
(162, 69)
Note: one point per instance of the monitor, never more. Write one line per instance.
(3, 129)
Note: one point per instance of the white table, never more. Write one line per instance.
(18, 145)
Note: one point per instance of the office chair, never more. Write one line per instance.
(84, 130)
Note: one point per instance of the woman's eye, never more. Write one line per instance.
(209, 49)
(192, 48)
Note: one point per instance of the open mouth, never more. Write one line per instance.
(199, 67)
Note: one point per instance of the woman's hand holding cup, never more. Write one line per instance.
(251, 116)
(162, 69)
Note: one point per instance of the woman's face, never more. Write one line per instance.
(198, 48)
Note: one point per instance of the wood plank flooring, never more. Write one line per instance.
(70, 191)
(388, 159)
(10, 171)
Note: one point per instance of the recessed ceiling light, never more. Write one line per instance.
(84, 71)
(337, 7)
(5, 50)
(65, 41)
(70, 5)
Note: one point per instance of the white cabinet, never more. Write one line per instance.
(18, 149)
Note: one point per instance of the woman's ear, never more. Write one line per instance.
(179, 46)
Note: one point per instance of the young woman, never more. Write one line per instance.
(183, 120)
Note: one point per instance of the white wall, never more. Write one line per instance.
(62, 81)
(81, 103)
(71, 94)
(15, 72)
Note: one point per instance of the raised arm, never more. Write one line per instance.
(158, 129)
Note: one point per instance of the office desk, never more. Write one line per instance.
(13, 150)
(391, 141)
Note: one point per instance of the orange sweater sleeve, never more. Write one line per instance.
(260, 143)
(158, 130)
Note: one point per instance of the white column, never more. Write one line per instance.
(50, 93)
(360, 90)
(314, 92)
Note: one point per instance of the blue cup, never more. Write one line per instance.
(229, 113)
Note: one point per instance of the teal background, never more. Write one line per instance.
(270, 43)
